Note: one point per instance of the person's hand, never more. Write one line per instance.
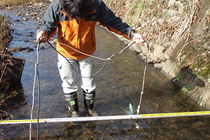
(138, 38)
(42, 36)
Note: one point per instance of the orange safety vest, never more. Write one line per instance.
(80, 35)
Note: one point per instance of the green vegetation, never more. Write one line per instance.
(130, 111)
(209, 79)
(186, 88)
(178, 77)
(198, 56)
(202, 104)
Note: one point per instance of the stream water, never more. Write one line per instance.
(118, 84)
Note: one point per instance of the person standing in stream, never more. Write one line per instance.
(75, 21)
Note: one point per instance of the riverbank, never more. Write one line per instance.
(5, 3)
(9, 65)
(178, 35)
(5, 38)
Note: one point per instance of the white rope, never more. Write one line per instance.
(145, 70)
(142, 90)
(108, 59)
(84, 53)
(36, 65)
(35, 73)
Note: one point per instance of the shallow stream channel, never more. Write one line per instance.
(118, 84)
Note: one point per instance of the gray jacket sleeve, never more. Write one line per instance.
(113, 23)
(51, 18)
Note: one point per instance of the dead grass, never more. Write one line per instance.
(4, 32)
(16, 2)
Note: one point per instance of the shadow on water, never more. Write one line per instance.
(16, 100)
(118, 84)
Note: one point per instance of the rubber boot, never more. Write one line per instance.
(72, 104)
(89, 99)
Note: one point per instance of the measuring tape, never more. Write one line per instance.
(104, 118)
